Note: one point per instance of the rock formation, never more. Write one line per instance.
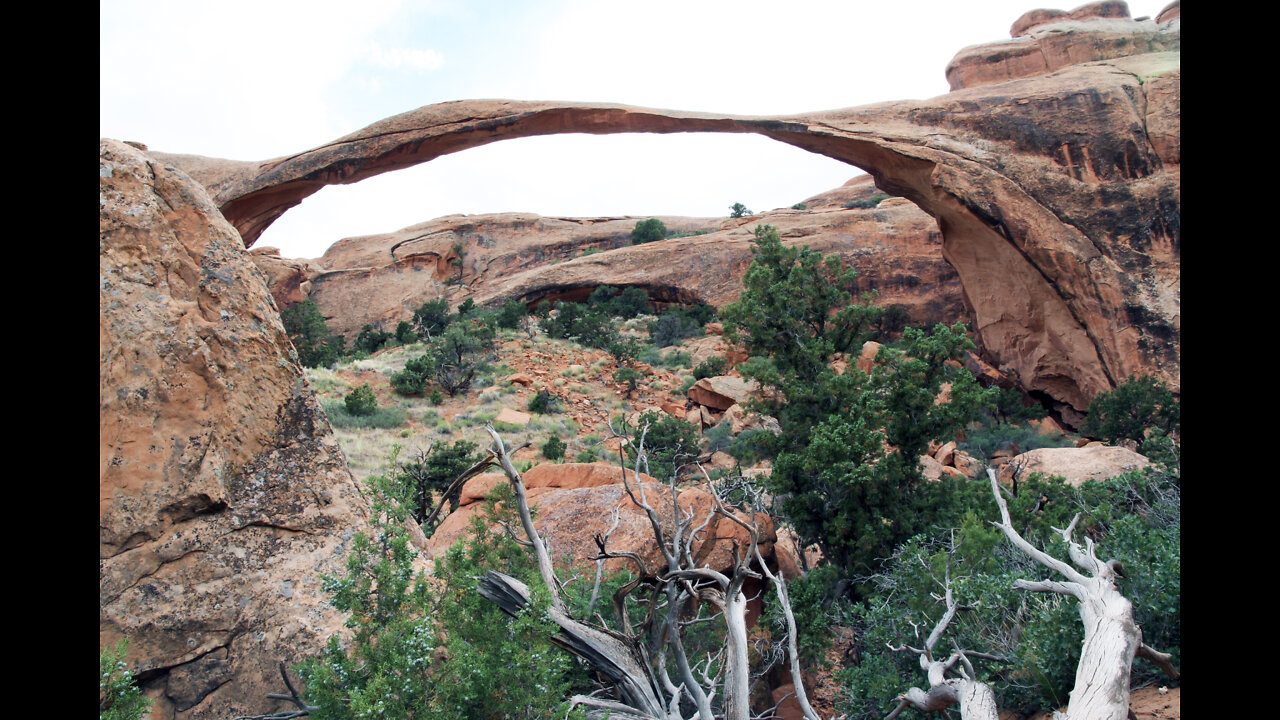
(896, 249)
(1057, 195)
(222, 491)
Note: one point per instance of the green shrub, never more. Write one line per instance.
(436, 397)
(422, 480)
(713, 366)
(738, 210)
(432, 318)
(512, 314)
(588, 455)
(671, 327)
(544, 403)
(381, 419)
(719, 437)
(371, 340)
(628, 376)
(405, 334)
(361, 402)
(1135, 406)
(119, 698)
(310, 335)
(553, 449)
(669, 442)
(415, 376)
(647, 231)
(865, 204)
(799, 206)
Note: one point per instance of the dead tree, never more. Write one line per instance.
(1111, 637)
(976, 700)
(652, 678)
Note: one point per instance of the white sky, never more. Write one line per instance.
(256, 79)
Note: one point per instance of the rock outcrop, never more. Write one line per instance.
(222, 491)
(1047, 40)
(1075, 465)
(574, 502)
(896, 249)
(1057, 195)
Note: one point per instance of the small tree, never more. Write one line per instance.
(416, 375)
(405, 334)
(371, 339)
(361, 401)
(738, 210)
(432, 318)
(310, 335)
(647, 231)
(1133, 408)
(553, 449)
(512, 314)
(628, 376)
(544, 403)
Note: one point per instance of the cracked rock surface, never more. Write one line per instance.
(222, 491)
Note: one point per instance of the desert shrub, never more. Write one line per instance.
(437, 649)
(627, 375)
(799, 206)
(647, 231)
(512, 314)
(423, 479)
(544, 403)
(738, 210)
(370, 339)
(1134, 407)
(711, 367)
(676, 359)
(871, 202)
(981, 442)
(436, 397)
(361, 402)
(553, 448)
(719, 437)
(669, 442)
(383, 418)
(672, 327)
(405, 334)
(119, 698)
(589, 455)
(751, 446)
(415, 376)
(310, 335)
(432, 317)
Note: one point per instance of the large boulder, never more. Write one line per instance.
(1075, 465)
(575, 501)
(223, 494)
(722, 391)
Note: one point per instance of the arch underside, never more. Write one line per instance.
(1061, 226)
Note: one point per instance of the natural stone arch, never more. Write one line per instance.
(1056, 209)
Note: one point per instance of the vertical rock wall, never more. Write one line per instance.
(223, 493)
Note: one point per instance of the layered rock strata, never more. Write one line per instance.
(223, 493)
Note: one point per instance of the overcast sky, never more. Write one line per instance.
(257, 79)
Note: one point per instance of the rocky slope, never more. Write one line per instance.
(1057, 195)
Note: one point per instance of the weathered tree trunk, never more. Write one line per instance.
(1111, 637)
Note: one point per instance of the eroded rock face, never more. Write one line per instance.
(1059, 209)
(382, 279)
(222, 491)
(1046, 40)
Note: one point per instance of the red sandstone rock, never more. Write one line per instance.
(1076, 465)
(722, 392)
(223, 494)
(1058, 208)
(573, 502)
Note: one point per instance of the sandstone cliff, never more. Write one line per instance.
(222, 491)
